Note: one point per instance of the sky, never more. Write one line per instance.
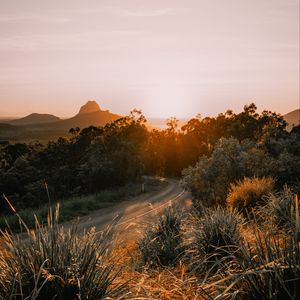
(165, 57)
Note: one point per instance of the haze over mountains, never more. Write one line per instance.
(89, 114)
(45, 127)
(35, 118)
(292, 118)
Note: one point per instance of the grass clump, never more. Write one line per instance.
(217, 230)
(58, 263)
(248, 194)
(267, 270)
(161, 243)
(279, 209)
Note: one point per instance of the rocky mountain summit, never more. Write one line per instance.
(90, 107)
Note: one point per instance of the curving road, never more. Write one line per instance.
(138, 210)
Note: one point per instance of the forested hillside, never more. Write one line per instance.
(213, 152)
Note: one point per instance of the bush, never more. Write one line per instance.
(216, 231)
(161, 244)
(279, 209)
(211, 176)
(246, 195)
(209, 180)
(58, 263)
(270, 272)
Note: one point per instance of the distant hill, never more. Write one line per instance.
(8, 128)
(89, 107)
(8, 131)
(35, 119)
(89, 114)
(292, 118)
(49, 127)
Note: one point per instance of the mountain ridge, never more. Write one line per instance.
(90, 107)
(35, 118)
(42, 126)
(88, 115)
(292, 118)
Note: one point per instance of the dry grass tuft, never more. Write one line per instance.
(56, 263)
(246, 195)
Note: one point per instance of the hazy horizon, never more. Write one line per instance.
(167, 58)
(156, 119)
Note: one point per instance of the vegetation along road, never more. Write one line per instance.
(137, 210)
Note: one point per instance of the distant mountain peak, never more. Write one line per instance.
(292, 118)
(35, 118)
(89, 107)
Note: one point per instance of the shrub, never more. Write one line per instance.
(247, 194)
(211, 176)
(209, 180)
(58, 263)
(271, 271)
(279, 209)
(161, 244)
(216, 231)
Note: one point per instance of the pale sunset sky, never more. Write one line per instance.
(165, 57)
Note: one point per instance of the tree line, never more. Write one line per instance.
(211, 151)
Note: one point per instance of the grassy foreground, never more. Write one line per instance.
(196, 253)
(60, 263)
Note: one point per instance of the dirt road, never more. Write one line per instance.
(137, 210)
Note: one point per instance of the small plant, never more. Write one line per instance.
(246, 195)
(161, 244)
(216, 230)
(58, 263)
(279, 209)
(267, 270)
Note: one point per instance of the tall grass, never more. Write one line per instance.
(212, 236)
(215, 229)
(269, 269)
(235, 262)
(280, 210)
(56, 263)
(161, 243)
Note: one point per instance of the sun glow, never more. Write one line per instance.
(180, 59)
(167, 102)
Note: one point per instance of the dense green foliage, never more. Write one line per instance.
(213, 152)
(271, 152)
(92, 160)
(244, 162)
